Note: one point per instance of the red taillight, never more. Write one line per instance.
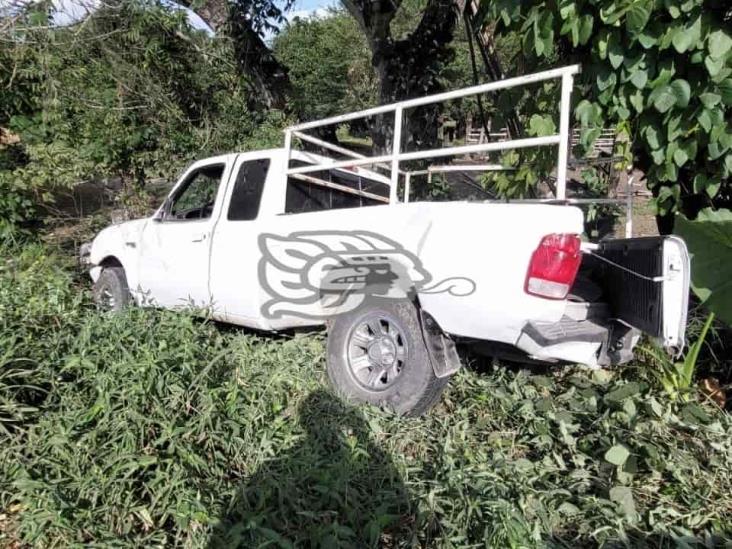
(554, 266)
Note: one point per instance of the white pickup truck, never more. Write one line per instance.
(254, 241)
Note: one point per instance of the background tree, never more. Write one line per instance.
(659, 71)
(407, 66)
(244, 23)
(329, 65)
(132, 93)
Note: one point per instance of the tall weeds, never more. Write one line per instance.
(155, 428)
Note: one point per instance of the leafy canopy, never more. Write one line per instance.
(329, 65)
(132, 93)
(659, 70)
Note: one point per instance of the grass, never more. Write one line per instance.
(154, 428)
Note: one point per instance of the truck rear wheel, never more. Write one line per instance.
(377, 355)
(110, 291)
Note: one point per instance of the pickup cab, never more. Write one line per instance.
(283, 238)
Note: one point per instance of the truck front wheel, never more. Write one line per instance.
(110, 291)
(377, 355)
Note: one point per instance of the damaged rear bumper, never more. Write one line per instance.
(585, 335)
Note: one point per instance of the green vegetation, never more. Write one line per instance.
(677, 378)
(330, 66)
(659, 71)
(159, 428)
(709, 238)
(154, 428)
(134, 94)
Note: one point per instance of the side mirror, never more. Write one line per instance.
(162, 211)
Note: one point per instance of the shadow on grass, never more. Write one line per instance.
(333, 488)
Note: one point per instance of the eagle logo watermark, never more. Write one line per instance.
(319, 274)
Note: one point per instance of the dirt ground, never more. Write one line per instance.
(644, 219)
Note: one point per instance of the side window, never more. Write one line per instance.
(196, 197)
(304, 197)
(345, 192)
(247, 192)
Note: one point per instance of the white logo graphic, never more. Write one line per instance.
(319, 274)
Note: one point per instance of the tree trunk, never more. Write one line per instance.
(408, 67)
(256, 60)
(268, 76)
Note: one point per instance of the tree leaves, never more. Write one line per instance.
(665, 68)
(682, 92)
(714, 66)
(579, 28)
(542, 32)
(639, 78)
(704, 184)
(541, 126)
(663, 98)
(605, 80)
(709, 100)
(687, 37)
(588, 113)
(725, 89)
(623, 496)
(637, 17)
(677, 94)
(648, 38)
(617, 455)
(653, 137)
(615, 56)
(586, 23)
(709, 240)
(719, 43)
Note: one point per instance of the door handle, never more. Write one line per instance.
(199, 238)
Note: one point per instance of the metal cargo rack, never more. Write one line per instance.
(391, 162)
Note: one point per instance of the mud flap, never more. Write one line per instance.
(440, 347)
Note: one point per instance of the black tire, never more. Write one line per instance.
(110, 291)
(412, 388)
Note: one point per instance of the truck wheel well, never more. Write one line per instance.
(110, 261)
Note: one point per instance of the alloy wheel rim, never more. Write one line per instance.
(377, 351)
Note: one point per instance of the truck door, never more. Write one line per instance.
(234, 253)
(175, 245)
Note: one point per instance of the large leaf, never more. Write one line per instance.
(681, 91)
(720, 43)
(685, 38)
(639, 78)
(541, 125)
(615, 51)
(617, 455)
(638, 16)
(623, 496)
(709, 239)
(725, 87)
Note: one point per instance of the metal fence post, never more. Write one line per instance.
(629, 208)
(288, 148)
(564, 107)
(395, 149)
